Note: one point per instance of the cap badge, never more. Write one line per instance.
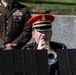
(43, 18)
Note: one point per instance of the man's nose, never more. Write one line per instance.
(43, 34)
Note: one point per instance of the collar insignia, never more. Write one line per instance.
(15, 4)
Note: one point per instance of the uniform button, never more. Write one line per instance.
(7, 21)
(6, 32)
(7, 27)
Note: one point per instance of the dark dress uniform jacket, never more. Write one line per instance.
(13, 23)
(54, 69)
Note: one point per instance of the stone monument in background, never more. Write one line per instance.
(64, 30)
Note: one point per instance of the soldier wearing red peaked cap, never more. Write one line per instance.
(42, 33)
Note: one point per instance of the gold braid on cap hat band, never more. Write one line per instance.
(41, 23)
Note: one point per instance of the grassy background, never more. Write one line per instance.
(60, 7)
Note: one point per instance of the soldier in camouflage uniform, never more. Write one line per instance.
(14, 29)
(42, 33)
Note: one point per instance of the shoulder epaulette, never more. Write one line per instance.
(61, 44)
(28, 45)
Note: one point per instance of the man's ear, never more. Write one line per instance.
(33, 32)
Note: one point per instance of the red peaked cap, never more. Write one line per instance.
(41, 21)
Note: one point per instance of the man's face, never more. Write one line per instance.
(38, 35)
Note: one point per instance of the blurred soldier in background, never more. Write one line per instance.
(14, 29)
